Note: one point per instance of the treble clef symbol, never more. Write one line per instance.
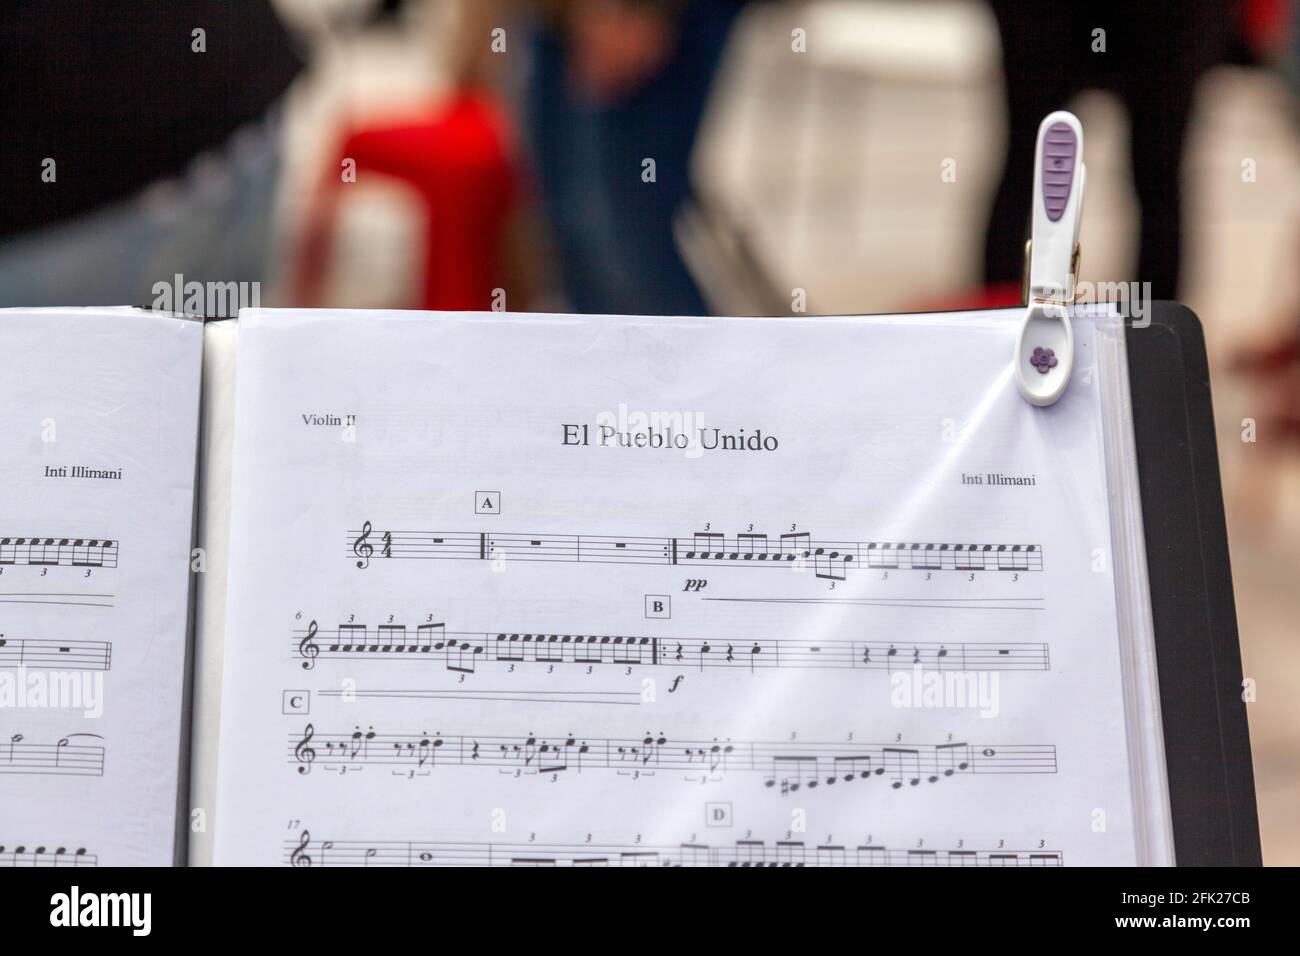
(308, 648)
(362, 547)
(304, 753)
(299, 856)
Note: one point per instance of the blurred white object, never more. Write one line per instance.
(860, 171)
(945, 42)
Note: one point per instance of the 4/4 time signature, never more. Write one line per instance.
(304, 851)
(827, 559)
(787, 765)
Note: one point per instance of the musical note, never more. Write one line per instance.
(360, 743)
(425, 750)
(958, 758)
(391, 637)
(705, 544)
(906, 762)
(750, 545)
(831, 564)
(791, 771)
(795, 545)
(351, 637)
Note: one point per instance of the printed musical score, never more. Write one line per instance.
(826, 559)
(510, 625)
(59, 552)
(81, 655)
(305, 851)
(466, 652)
(76, 755)
(97, 605)
(23, 855)
(788, 766)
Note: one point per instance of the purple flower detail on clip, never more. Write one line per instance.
(1043, 359)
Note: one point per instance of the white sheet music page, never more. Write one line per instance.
(98, 426)
(601, 590)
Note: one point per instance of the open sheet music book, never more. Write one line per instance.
(544, 589)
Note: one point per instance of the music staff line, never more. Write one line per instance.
(465, 651)
(628, 698)
(827, 559)
(81, 655)
(920, 603)
(786, 765)
(59, 552)
(72, 756)
(305, 852)
(51, 856)
(62, 599)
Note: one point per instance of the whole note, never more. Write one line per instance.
(304, 753)
(299, 856)
(362, 547)
(308, 648)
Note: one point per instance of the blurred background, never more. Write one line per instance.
(688, 156)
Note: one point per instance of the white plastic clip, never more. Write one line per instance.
(1045, 346)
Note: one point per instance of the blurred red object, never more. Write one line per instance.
(455, 154)
(1266, 25)
(1274, 371)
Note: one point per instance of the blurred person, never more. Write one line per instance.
(458, 153)
(1154, 54)
(1274, 33)
(615, 83)
(137, 141)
